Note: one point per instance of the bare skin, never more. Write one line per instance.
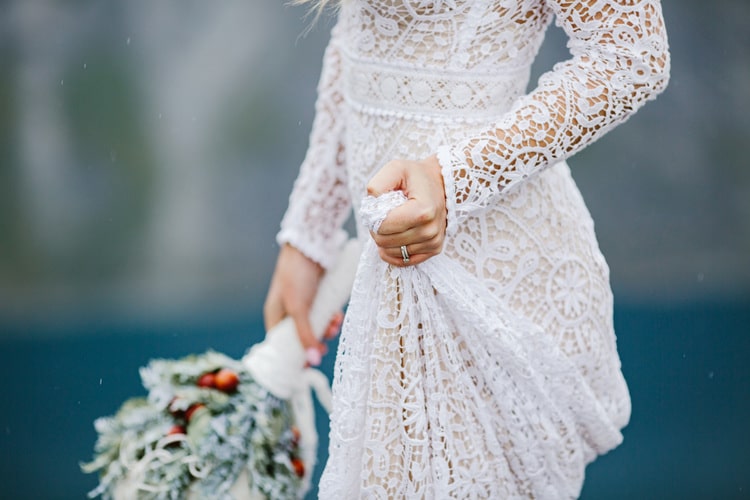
(293, 286)
(419, 224)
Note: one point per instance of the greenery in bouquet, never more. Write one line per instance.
(205, 420)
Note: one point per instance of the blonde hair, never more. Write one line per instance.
(317, 6)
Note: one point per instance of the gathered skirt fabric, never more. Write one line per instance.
(490, 371)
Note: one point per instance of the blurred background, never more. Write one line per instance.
(147, 152)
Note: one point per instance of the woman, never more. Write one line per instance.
(427, 97)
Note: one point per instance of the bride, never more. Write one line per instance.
(428, 97)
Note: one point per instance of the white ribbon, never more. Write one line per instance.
(279, 363)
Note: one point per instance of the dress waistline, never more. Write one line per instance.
(430, 95)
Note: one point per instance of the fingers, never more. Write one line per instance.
(417, 253)
(413, 214)
(416, 211)
(420, 222)
(305, 332)
(274, 311)
(334, 327)
(420, 234)
(422, 241)
(422, 184)
(431, 247)
(291, 293)
(314, 355)
(399, 261)
(392, 177)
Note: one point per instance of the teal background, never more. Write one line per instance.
(147, 151)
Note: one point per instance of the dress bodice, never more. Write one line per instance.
(478, 36)
(438, 63)
(406, 79)
(452, 58)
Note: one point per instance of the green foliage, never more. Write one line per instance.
(248, 429)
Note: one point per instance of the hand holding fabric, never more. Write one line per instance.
(419, 224)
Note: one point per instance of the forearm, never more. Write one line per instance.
(320, 203)
(620, 60)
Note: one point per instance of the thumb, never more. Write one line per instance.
(391, 177)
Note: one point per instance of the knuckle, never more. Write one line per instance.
(436, 247)
(426, 215)
(432, 232)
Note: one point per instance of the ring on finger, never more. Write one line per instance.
(404, 254)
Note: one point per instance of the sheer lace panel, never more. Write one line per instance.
(434, 393)
(441, 391)
(620, 60)
(320, 202)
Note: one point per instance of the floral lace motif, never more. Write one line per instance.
(399, 92)
(320, 204)
(410, 78)
(447, 392)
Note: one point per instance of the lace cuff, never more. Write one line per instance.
(620, 61)
(324, 251)
(449, 161)
(319, 204)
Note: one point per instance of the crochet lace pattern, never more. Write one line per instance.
(411, 78)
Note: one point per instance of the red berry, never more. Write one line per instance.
(299, 466)
(192, 409)
(176, 429)
(295, 435)
(227, 380)
(174, 409)
(207, 380)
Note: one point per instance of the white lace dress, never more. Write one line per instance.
(409, 78)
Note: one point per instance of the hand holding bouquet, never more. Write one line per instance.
(215, 427)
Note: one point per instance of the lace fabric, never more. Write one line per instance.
(320, 201)
(410, 78)
(447, 393)
(620, 60)
(420, 60)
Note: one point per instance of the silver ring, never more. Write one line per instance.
(404, 254)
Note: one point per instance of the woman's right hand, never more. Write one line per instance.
(291, 293)
(416, 228)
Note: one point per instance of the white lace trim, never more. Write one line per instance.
(441, 391)
(420, 94)
(394, 86)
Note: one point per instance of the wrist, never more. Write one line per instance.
(292, 252)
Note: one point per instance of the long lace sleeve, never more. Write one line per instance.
(620, 59)
(320, 204)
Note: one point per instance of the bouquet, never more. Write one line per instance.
(215, 427)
